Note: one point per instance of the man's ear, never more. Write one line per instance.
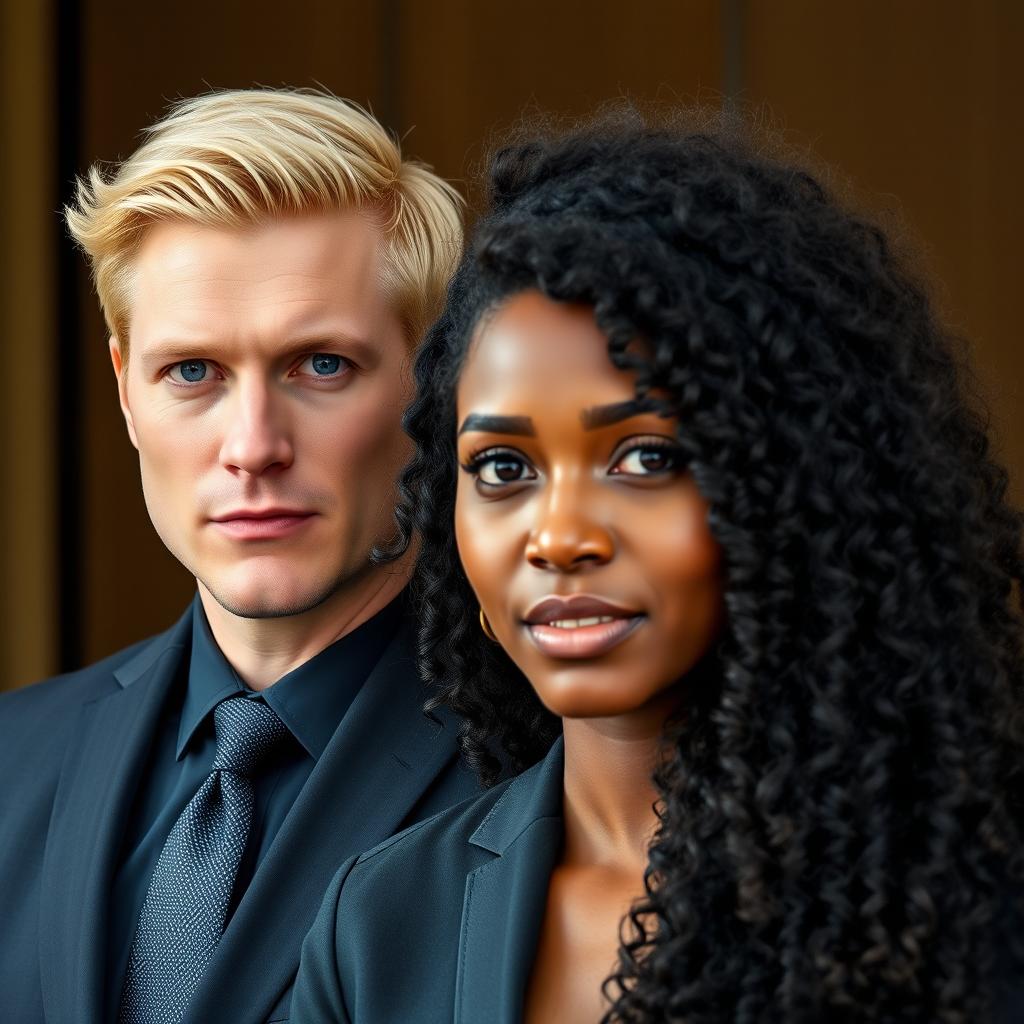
(120, 372)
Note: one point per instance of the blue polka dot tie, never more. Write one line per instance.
(187, 901)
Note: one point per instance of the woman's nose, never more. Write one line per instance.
(568, 534)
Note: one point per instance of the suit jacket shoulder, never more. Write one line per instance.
(46, 699)
(49, 701)
(36, 720)
(40, 728)
(428, 899)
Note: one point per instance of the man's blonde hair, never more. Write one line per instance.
(237, 158)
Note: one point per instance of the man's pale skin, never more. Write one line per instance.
(263, 387)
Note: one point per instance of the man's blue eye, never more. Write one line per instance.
(192, 371)
(325, 364)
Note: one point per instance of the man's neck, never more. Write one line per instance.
(261, 651)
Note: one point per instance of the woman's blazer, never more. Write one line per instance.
(441, 922)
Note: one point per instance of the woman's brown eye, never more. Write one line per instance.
(647, 461)
(652, 461)
(503, 469)
(507, 470)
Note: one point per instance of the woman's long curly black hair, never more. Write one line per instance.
(841, 813)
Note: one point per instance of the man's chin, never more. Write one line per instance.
(270, 603)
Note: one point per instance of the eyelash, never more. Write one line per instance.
(647, 444)
(189, 385)
(345, 365)
(477, 461)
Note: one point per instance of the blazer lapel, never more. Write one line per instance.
(504, 902)
(380, 761)
(98, 780)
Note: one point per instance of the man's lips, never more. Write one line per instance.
(579, 626)
(274, 512)
(261, 524)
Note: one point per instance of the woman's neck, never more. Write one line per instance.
(609, 792)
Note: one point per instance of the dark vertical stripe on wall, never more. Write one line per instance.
(733, 18)
(69, 343)
(388, 84)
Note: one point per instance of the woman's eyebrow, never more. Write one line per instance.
(606, 415)
(489, 424)
(592, 419)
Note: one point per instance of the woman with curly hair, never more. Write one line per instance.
(712, 548)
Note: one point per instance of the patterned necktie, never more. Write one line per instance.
(187, 901)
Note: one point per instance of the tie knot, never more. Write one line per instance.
(247, 730)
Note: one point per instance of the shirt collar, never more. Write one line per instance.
(311, 700)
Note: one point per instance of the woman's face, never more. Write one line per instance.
(582, 534)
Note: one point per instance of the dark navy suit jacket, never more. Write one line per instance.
(71, 753)
(441, 923)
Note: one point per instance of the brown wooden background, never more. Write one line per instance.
(918, 101)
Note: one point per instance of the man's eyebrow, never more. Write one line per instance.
(489, 424)
(606, 415)
(170, 349)
(178, 350)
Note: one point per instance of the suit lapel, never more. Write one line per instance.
(98, 780)
(380, 761)
(504, 902)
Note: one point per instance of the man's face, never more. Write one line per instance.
(264, 389)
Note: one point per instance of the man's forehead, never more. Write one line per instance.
(299, 276)
(292, 250)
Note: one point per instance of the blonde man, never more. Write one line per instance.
(266, 262)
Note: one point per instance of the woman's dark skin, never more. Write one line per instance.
(568, 491)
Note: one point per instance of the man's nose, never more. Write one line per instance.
(257, 438)
(569, 533)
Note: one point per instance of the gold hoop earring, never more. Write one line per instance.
(486, 627)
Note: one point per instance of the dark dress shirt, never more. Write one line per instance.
(311, 700)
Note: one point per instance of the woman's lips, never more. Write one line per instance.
(556, 607)
(582, 638)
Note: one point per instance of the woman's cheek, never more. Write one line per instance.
(471, 540)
